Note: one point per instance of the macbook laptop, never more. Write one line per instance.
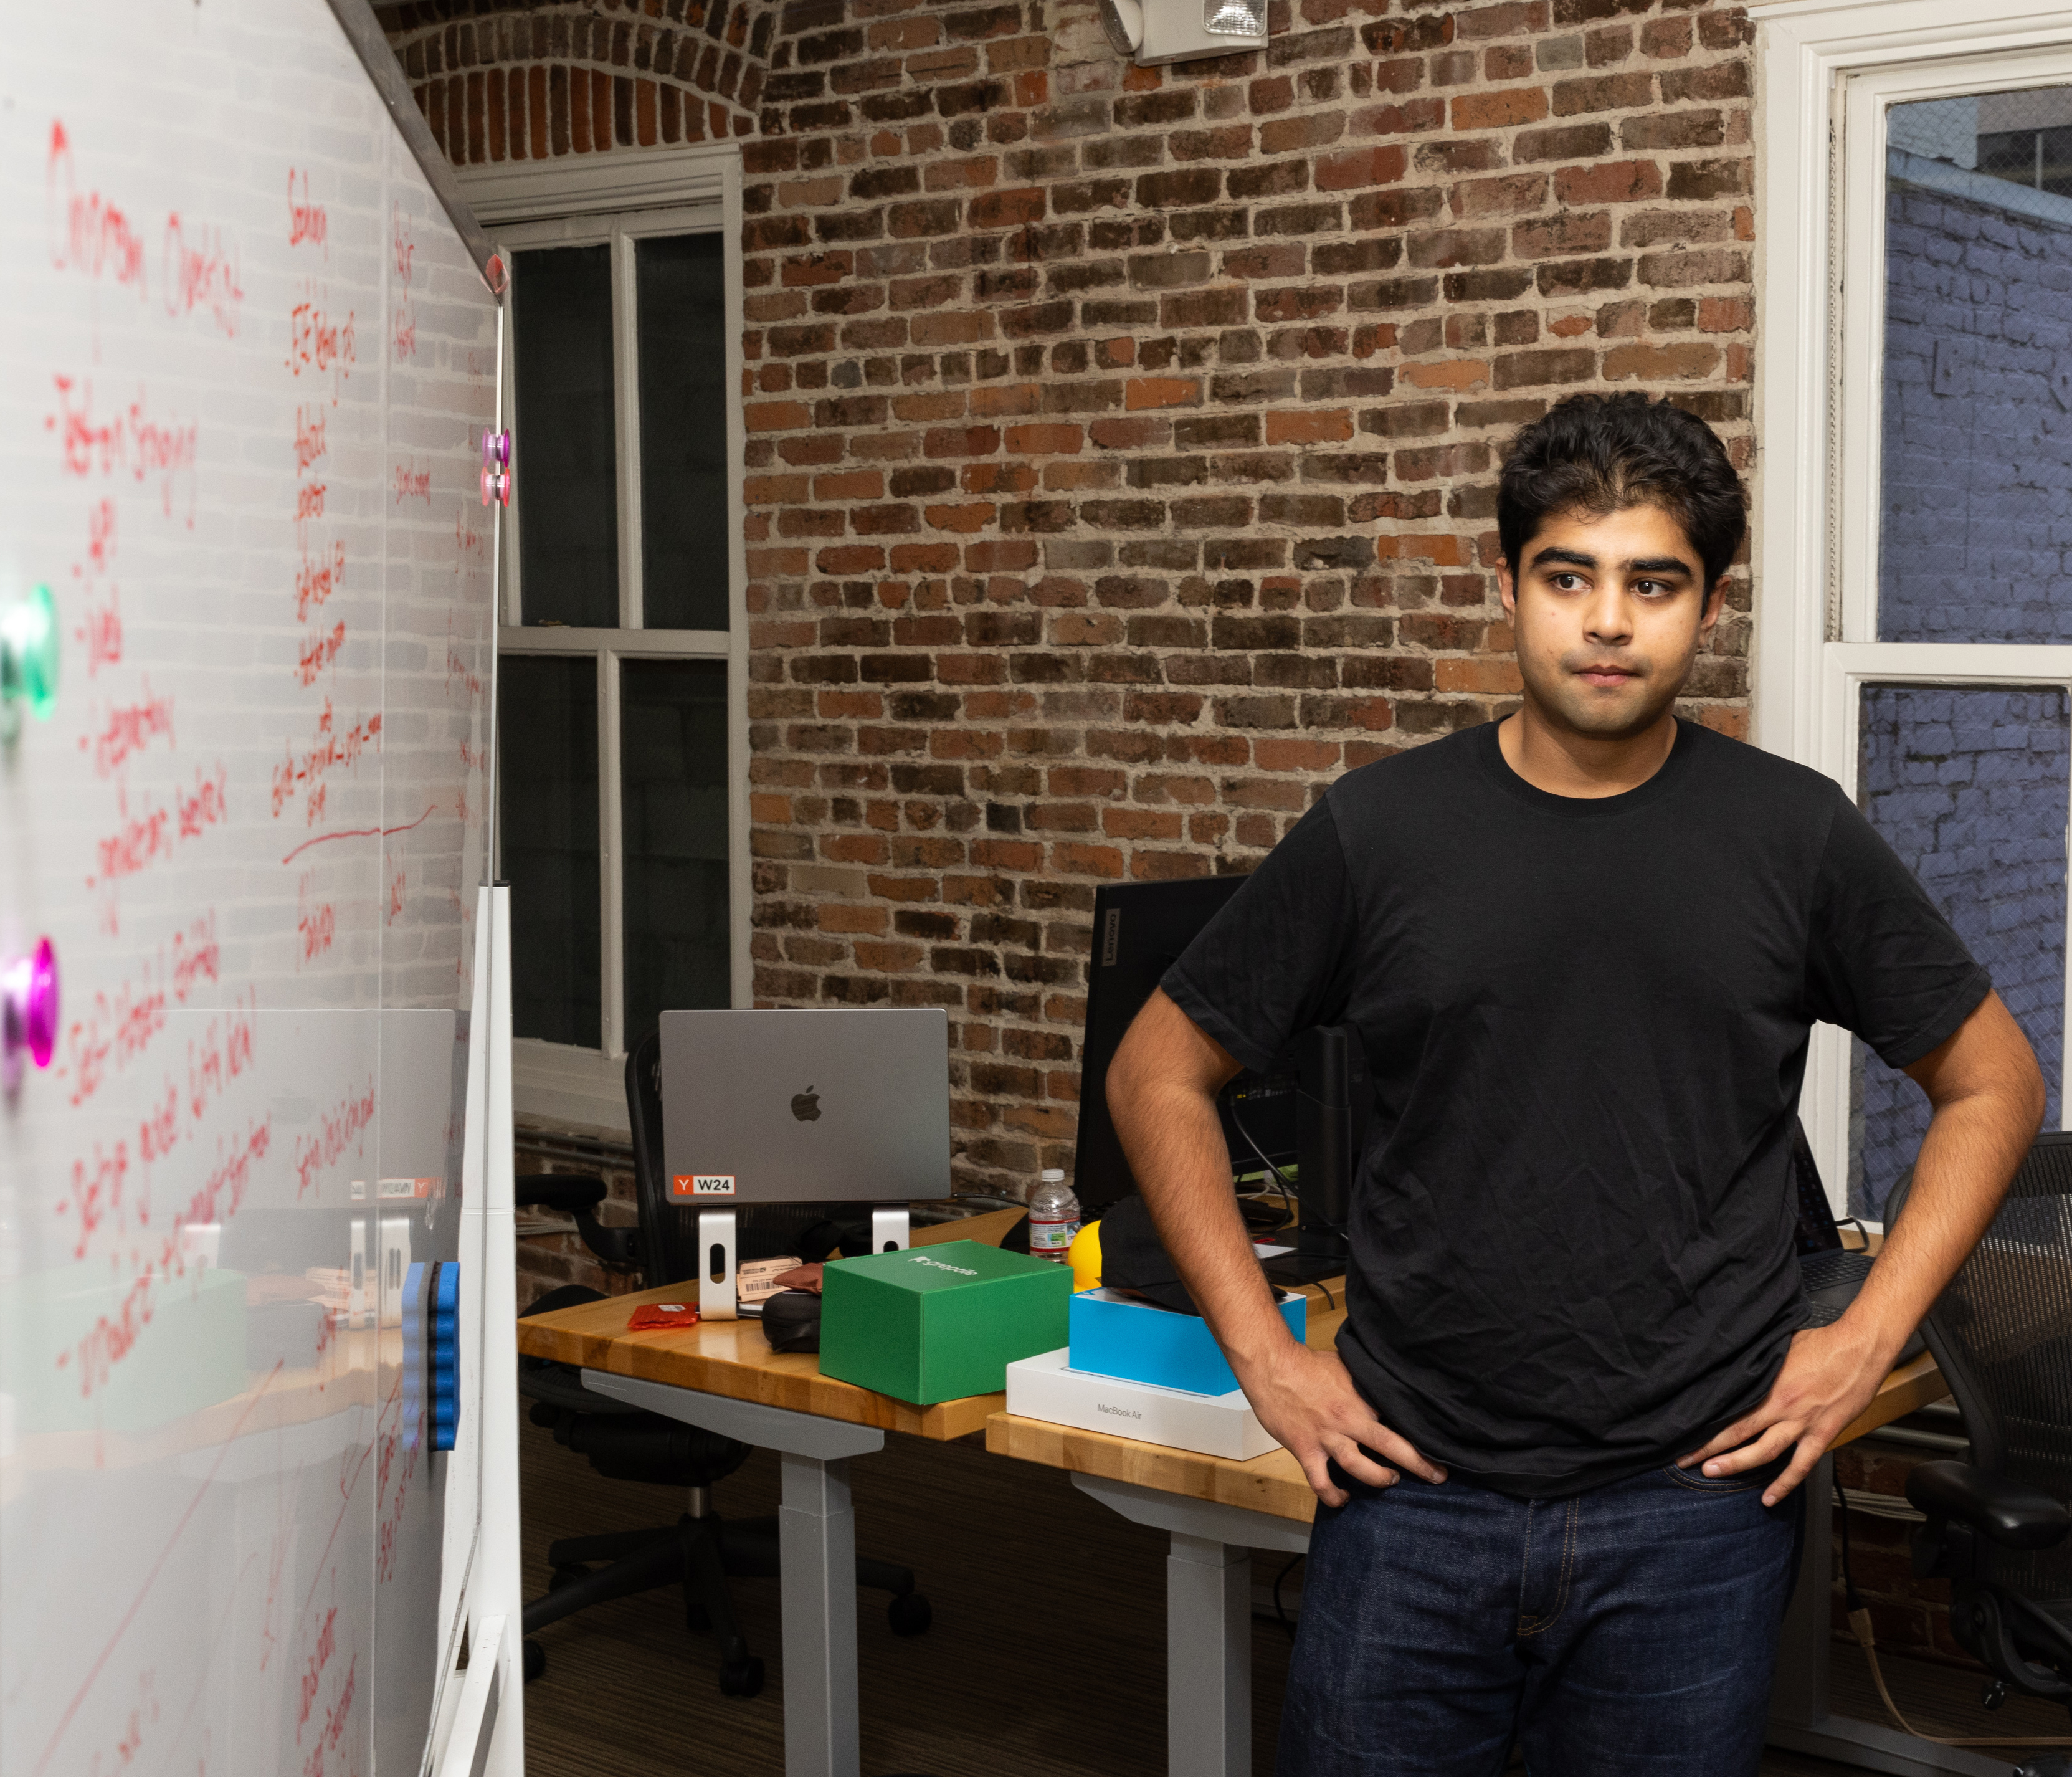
(823, 1105)
(1831, 1275)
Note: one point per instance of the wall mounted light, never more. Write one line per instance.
(1149, 31)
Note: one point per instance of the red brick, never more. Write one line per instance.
(1500, 110)
(1144, 391)
(1609, 182)
(1309, 426)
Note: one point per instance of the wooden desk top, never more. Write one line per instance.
(1275, 1483)
(732, 1358)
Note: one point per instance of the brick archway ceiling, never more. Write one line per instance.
(505, 80)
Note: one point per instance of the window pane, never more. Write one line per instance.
(564, 451)
(1970, 786)
(547, 723)
(672, 765)
(680, 284)
(1976, 531)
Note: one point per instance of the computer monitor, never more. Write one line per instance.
(1139, 929)
(825, 1104)
(821, 1104)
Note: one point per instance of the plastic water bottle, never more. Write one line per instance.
(1053, 1216)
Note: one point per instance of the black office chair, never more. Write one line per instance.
(700, 1551)
(1996, 1528)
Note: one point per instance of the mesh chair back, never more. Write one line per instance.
(2002, 1334)
(669, 1235)
(668, 1231)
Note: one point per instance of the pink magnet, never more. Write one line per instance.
(29, 990)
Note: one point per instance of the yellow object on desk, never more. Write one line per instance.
(1085, 1257)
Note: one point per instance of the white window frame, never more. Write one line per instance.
(1829, 72)
(620, 199)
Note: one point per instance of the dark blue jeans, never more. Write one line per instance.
(1628, 1631)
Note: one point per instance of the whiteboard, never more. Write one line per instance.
(245, 362)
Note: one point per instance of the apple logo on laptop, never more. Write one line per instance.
(806, 1105)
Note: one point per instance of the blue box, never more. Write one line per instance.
(1112, 1334)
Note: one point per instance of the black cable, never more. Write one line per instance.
(1293, 1562)
(1851, 1599)
(1279, 1178)
(1281, 1181)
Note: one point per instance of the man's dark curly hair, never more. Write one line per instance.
(1597, 453)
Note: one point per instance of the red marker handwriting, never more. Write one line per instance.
(309, 436)
(307, 222)
(87, 233)
(145, 838)
(315, 581)
(97, 1191)
(334, 746)
(457, 668)
(318, 654)
(132, 439)
(311, 1680)
(316, 923)
(317, 342)
(99, 632)
(202, 273)
(128, 728)
(341, 1129)
(224, 1052)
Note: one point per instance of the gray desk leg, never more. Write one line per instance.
(1208, 1618)
(1208, 1653)
(1799, 1715)
(817, 1543)
(816, 1535)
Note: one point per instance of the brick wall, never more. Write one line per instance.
(1123, 442)
(504, 80)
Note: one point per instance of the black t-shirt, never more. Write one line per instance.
(1586, 1023)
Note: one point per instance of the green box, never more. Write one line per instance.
(930, 1323)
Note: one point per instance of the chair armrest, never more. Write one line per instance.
(2012, 1515)
(577, 1195)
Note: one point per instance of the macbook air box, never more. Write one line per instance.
(1047, 1388)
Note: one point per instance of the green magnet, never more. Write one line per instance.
(29, 653)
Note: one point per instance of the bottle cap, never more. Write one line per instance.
(1054, 1175)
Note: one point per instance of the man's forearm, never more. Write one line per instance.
(1969, 1154)
(1175, 1144)
(1161, 1090)
(1989, 1100)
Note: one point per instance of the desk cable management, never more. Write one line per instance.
(1281, 1188)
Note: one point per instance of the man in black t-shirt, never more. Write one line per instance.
(1583, 948)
